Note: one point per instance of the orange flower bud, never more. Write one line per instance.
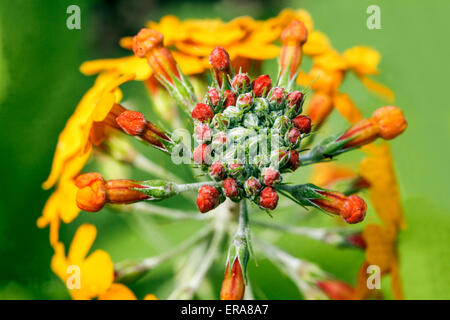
(221, 63)
(94, 192)
(91, 195)
(390, 121)
(352, 209)
(293, 37)
(319, 108)
(386, 122)
(122, 191)
(233, 285)
(336, 290)
(148, 43)
(132, 122)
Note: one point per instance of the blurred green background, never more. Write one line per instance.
(40, 86)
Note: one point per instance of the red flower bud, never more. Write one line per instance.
(268, 198)
(132, 122)
(352, 209)
(230, 98)
(202, 132)
(231, 188)
(302, 123)
(202, 154)
(252, 186)
(336, 290)
(241, 82)
(219, 59)
(294, 136)
(208, 198)
(277, 96)
(262, 85)
(245, 101)
(213, 96)
(233, 285)
(295, 98)
(122, 191)
(202, 112)
(294, 160)
(217, 171)
(270, 176)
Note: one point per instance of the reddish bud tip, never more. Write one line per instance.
(262, 85)
(219, 59)
(277, 96)
(230, 98)
(270, 176)
(213, 96)
(233, 285)
(294, 136)
(295, 31)
(202, 112)
(145, 41)
(217, 171)
(202, 154)
(354, 210)
(132, 122)
(208, 198)
(231, 188)
(295, 98)
(268, 198)
(202, 132)
(241, 82)
(303, 123)
(91, 195)
(252, 186)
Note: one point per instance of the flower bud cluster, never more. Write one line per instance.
(247, 134)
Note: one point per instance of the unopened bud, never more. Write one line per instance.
(245, 101)
(231, 189)
(132, 122)
(202, 154)
(294, 160)
(302, 123)
(294, 102)
(208, 198)
(230, 99)
(213, 97)
(202, 132)
(262, 85)
(270, 176)
(277, 98)
(220, 61)
(268, 198)
(293, 38)
(352, 209)
(241, 82)
(233, 285)
(217, 171)
(202, 112)
(252, 187)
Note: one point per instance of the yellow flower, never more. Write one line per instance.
(74, 143)
(60, 206)
(381, 251)
(118, 291)
(378, 169)
(363, 60)
(96, 271)
(326, 174)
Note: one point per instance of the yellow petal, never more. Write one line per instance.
(150, 297)
(347, 108)
(118, 291)
(316, 44)
(362, 60)
(59, 263)
(81, 243)
(378, 169)
(256, 51)
(331, 60)
(188, 64)
(380, 89)
(97, 275)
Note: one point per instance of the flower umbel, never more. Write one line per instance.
(249, 133)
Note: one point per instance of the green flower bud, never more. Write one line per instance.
(261, 107)
(220, 122)
(251, 121)
(282, 124)
(234, 114)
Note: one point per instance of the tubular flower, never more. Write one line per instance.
(247, 134)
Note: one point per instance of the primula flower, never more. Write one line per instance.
(249, 132)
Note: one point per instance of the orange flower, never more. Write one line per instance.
(233, 285)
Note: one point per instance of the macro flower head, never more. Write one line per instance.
(244, 135)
